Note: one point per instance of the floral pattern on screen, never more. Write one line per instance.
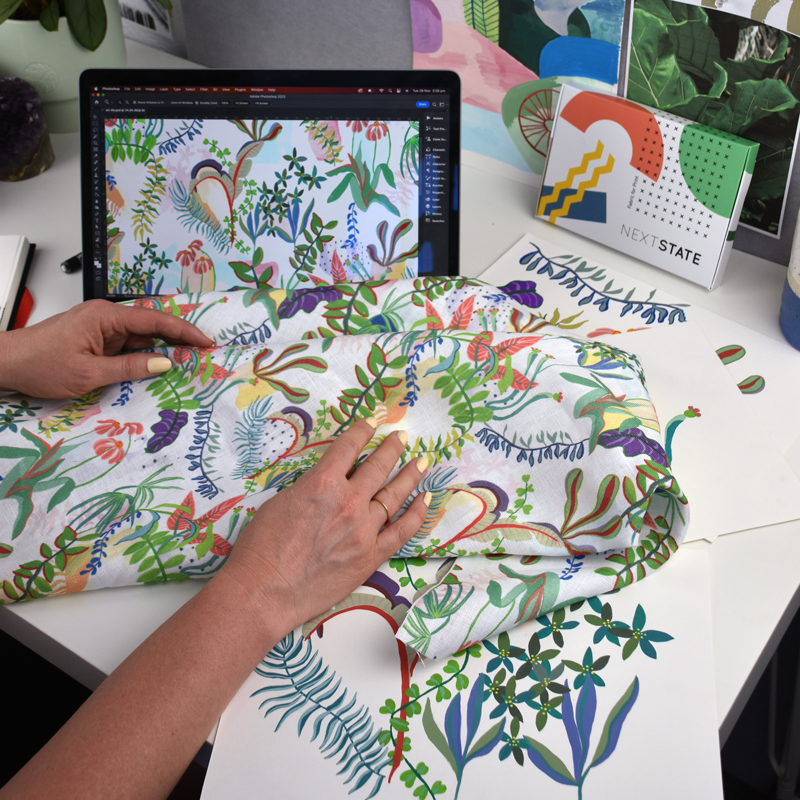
(549, 475)
(210, 204)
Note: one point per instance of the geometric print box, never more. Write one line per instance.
(548, 472)
(658, 187)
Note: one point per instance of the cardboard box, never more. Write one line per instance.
(658, 187)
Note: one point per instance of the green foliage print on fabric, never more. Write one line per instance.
(427, 355)
(536, 593)
(607, 411)
(44, 575)
(34, 471)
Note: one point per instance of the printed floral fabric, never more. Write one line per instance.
(549, 475)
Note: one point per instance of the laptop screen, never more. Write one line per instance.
(196, 180)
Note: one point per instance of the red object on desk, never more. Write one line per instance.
(24, 310)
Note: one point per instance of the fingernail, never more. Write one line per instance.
(155, 366)
(422, 463)
(403, 437)
(426, 498)
(371, 421)
(208, 336)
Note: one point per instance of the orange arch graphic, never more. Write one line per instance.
(641, 126)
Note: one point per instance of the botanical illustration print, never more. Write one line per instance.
(210, 204)
(584, 296)
(749, 373)
(491, 703)
(549, 475)
(561, 706)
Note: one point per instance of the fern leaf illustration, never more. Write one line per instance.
(249, 436)
(194, 217)
(435, 482)
(145, 212)
(302, 683)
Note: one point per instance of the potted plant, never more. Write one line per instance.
(50, 42)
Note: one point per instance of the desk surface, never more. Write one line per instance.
(88, 635)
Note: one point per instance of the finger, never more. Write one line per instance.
(150, 322)
(138, 343)
(394, 536)
(387, 501)
(346, 448)
(373, 471)
(105, 370)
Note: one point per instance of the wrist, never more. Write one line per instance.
(259, 609)
(9, 347)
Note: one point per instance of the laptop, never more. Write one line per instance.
(201, 180)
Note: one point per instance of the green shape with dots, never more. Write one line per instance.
(712, 163)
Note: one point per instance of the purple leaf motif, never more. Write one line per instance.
(634, 443)
(502, 497)
(307, 300)
(166, 430)
(523, 292)
(388, 588)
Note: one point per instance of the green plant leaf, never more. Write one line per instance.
(8, 7)
(656, 78)
(672, 13)
(757, 68)
(749, 102)
(87, 21)
(48, 19)
(697, 51)
(771, 173)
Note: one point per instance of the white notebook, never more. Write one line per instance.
(15, 257)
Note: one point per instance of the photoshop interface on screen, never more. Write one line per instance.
(196, 110)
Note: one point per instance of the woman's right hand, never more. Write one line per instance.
(315, 542)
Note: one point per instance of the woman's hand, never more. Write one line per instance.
(72, 353)
(305, 550)
(312, 544)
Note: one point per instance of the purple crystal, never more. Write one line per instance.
(25, 148)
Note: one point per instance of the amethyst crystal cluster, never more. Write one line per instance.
(25, 148)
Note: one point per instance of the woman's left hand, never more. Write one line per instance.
(82, 349)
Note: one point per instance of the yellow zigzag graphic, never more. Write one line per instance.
(601, 169)
(571, 175)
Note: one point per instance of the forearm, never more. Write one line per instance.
(138, 732)
(9, 361)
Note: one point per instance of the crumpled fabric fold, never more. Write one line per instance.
(548, 471)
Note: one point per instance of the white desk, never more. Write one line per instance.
(88, 635)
